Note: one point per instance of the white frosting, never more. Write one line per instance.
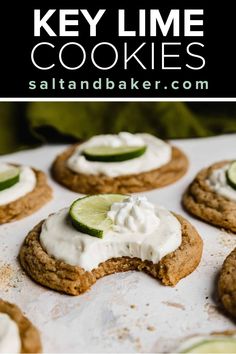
(25, 185)
(134, 214)
(218, 183)
(158, 153)
(10, 341)
(131, 236)
(197, 339)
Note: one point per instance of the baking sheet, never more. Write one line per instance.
(129, 312)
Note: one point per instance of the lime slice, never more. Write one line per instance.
(231, 175)
(220, 345)
(9, 177)
(113, 154)
(89, 214)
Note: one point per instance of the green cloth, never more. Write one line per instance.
(27, 125)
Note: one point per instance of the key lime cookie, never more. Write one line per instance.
(227, 284)
(212, 195)
(122, 163)
(105, 234)
(17, 333)
(23, 190)
(224, 342)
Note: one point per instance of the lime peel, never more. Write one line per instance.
(217, 345)
(113, 154)
(231, 175)
(9, 177)
(89, 214)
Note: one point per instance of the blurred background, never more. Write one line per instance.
(27, 125)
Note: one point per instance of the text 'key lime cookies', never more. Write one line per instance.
(17, 333)
(212, 195)
(122, 163)
(23, 190)
(104, 234)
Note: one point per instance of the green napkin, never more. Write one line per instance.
(26, 125)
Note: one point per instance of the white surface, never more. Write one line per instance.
(157, 154)
(129, 312)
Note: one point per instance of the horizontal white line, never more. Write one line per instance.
(118, 99)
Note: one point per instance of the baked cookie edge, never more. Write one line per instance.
(74, 280)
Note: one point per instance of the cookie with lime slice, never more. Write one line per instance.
(9, 176)
(113, 154)
(89, 214)
(29, 191)
(231, 175)
(210, 197)
(73, 170)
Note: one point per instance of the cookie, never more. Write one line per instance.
(227, 284)
(93, 184)
(29, 203)
(74, 280)
(29, 335)
(201, 201)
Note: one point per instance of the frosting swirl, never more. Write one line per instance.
(134, 214)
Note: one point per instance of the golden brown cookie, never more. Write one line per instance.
(227, 284)
(207, 205)
(29, 203)
(74, 280)
(91, 184)
(30, 339)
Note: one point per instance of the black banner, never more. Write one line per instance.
(147, 49)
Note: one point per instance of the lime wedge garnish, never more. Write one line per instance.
(9, 177)
(219, 345)
(89, 214)
(231, 175)
(113, 154)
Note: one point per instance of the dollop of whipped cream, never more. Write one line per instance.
(10, 341)
(218, 183)
(134, 214)
(157, 154)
